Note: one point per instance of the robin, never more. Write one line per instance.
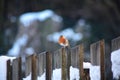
(63, 41)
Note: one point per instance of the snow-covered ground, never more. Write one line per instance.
(115, 59)
(74, 72)
(74, 75)
(94, 70)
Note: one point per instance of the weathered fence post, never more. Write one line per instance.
(102, 59)
(34, 67)
(48, 66)
(81, 59)
(9, 70)
(16, 69)
(97, 56)
(64, 64)
(68, 52)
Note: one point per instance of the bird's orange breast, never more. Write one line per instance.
(63, 41)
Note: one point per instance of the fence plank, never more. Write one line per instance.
(9, 70)
(81, 59)
(95, 53)
(48, 66)
(56, 59)
(41, 63)
(16, 69)
(64, 64)
(102, 62)
(34, 67)
(68, 52)
(75, 57)
(116, 43)
(20, 68)
(28, 64)
(97, 56)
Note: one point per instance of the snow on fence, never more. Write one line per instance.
(38, 64)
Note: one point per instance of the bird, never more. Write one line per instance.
(63, 41)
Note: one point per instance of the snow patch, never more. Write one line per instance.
(95, 73)
(115, 59)
(3, 69)
(74, 75)
(27, 18)
(14, 51)
(56, 74)
(86, 65)
(68, 33)
(56, 18)
(74, 72)
(29, 51)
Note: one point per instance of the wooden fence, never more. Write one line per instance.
(46, 62)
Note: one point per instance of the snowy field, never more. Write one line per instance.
(74, 72)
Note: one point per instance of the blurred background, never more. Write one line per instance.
(28, 26)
